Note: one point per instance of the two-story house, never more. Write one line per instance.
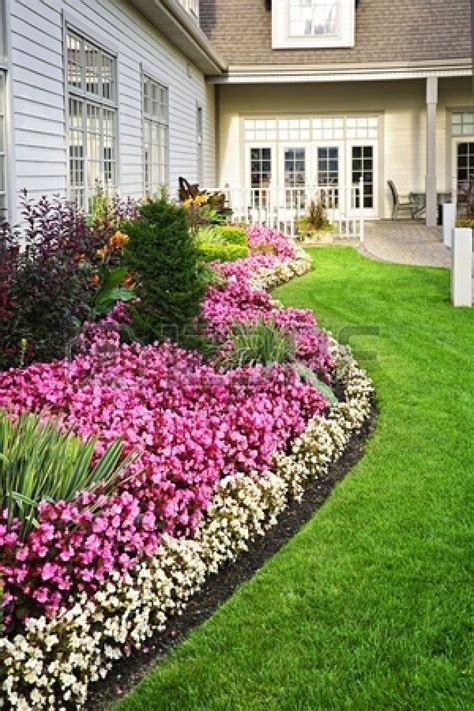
(265, 97)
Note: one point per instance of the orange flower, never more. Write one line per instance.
(118, 240)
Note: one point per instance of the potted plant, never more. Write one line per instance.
(315, 226)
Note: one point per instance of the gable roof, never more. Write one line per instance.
(402, 31)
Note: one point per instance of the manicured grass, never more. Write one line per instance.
(368, 606)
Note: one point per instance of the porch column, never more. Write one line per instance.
(430, 182)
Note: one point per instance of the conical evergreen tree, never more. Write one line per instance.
(170, 282)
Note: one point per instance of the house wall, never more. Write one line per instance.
(37, 104)
(400, 104)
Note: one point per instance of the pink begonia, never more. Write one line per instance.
(239, 302)
(190, 424)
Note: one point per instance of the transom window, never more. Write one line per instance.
(312, 23)
(155, 134)
(463, 123)
(3, 158)
(303, 129)
(92, 118)
(328, 128)
(260, 129)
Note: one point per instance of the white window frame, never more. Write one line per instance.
(4, 126)
(3, 147)
(283, 39)
(150, 120)
(199, 143)
(97, 102)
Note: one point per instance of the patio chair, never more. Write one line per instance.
(401, 203)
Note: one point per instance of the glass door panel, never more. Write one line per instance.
(363, 164)
(328, 174)
(294, 176)
(465, 177)
(260, 176)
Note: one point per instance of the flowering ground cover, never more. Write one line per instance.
(369, 606)
(191, 423)
(219, 455)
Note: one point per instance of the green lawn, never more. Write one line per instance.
(368, 606)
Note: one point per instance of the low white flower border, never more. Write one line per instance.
(52, 664)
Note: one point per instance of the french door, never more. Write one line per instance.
(306, 166)
(329, 163)
(362, 160)
(286, 175)
(463, 171)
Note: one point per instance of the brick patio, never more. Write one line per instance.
(405, 242)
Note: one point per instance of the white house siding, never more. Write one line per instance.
(400, 105)
(37, 103)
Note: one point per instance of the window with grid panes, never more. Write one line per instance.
(155, 131)
(92, 118)
(463, 123)
(312, 23)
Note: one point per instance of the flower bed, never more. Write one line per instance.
(221, 455)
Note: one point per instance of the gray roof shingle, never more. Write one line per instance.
(386, 31)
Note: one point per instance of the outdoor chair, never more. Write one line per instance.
(401, 203)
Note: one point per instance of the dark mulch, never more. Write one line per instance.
(127, 672)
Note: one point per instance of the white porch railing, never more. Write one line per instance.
(282, 208)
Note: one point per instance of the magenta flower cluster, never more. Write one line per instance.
(239, 302)
(190, 423)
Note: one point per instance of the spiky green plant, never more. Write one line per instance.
(261, 342)
(40, 462)
(309, 375)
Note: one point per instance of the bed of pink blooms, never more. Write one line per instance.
(238, 302)
(190, 423)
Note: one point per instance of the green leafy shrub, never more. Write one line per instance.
(261, 342)
(211, 252)
(166, 264)
(39, 462)
(209, 235)
(233, 235)
(111, 289)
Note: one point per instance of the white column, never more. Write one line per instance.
(461, 274)
(430, 182)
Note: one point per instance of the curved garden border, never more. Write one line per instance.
(53, 663)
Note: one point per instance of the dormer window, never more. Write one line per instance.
(192, 6)
(308, 24)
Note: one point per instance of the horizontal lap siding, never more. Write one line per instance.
(38, 93)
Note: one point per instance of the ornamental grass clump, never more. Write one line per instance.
(170, 278)
(259, 343)
(39, 462)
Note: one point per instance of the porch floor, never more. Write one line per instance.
(405, 242)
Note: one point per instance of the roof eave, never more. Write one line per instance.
(275, 74)
(183, 32)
